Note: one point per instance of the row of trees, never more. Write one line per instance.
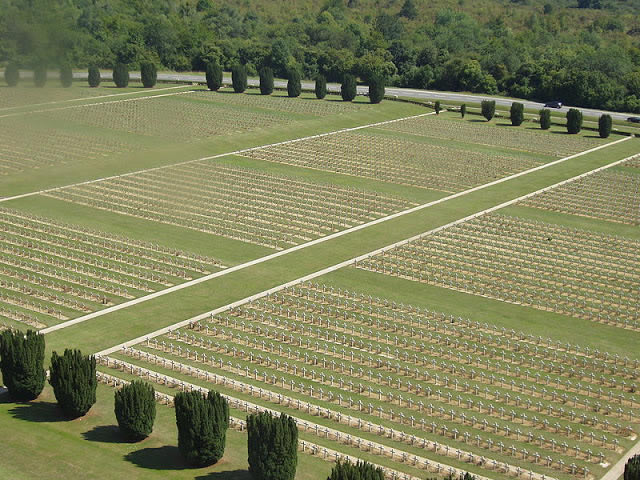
(574, 117)
(214, 78)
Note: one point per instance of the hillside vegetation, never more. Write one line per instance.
(583, 52)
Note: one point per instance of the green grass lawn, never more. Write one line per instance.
(91, 447)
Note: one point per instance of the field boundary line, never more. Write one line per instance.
(311, 243)
(55, 109)
(335, 267)
(82, 99)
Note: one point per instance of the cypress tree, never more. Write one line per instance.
(266, 81)
(574, 121)
(40, 76)
(516, 113)
(463, 110)
(360, 470)
(135, 409)
(272, 446)
(214, 76)
(320, 87)
(293, 83)
(21, 361)
(73, 377)
(94, 76)
(202, 424)
(605, 126)
(121, 75)
(12, 74)
(631, 470)
(148, 74)
(376, 89)
(348, 88)
(437, 107)
(239, 78)
(488, 108)
(66, 76)
(545, 119)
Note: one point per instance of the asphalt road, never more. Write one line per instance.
(401, 92)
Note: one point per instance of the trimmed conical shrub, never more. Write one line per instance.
(272, 446)
(135, 409)
(21, 361)
(545, 119)
(214, 76)
(293, 83)
(239, 78)
(320, 87)
(348, 88)
(516, 113)
(73, 377)
(202, 425)
(40, 76)
(12, 74)
(488, 108)
(93, 76)
(360, 470)
(376, 89)
(121, 75)
(266, 81)
(574, 121)
(66, 76)
(148, 74)
(605, 126)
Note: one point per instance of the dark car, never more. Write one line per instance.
(633, 119)
(554, 104)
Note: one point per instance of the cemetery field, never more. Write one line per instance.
(430, 293)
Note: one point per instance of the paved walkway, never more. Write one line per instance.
(616, 471)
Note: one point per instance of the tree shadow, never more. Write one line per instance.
(164, 458)
(38, 412)
(104, 434)
(232, 474)
(477, 120)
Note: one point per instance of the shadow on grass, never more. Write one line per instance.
(232, 474)
(104, 434)
(477, 120)
(164, 458)
(38, 412)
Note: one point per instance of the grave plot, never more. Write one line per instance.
(170, 117)
(420, 382)
(607, 195)
(280, 102)
(25, 94)
(242, 204)
(24, 146)
(633, 163)
(520, 139)
(397, 160)
(546, 266)
(51, 272)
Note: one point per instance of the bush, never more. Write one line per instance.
(545, 119)
(488, 108)
(272, 446)
(148, 74)
(266, 81)
(631, 470)
(348, 88)
(66, 76)
(202, 425)
(73, 377)
(94, 76)
(574, 121)
(437, 107)
(376, 89)
(40, 76)
(605, 126)
(239, 78)
(121, 75)
(135, 409)
(293, 83)
(516, 113)
(12, 74)
(21, 360)
(463, 110)
(320, 87)
(214, 76)
(360, 470)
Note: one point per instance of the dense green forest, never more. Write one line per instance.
(582, 52)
